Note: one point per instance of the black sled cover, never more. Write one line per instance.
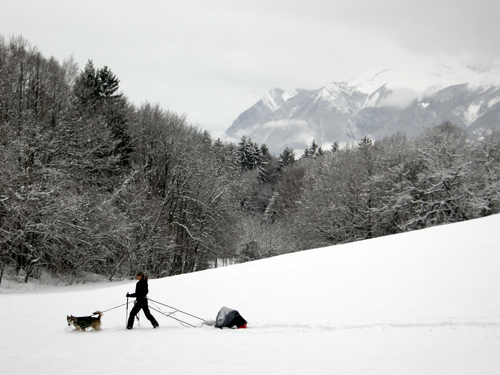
(229, 318)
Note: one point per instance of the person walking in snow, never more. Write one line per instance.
(141, 301)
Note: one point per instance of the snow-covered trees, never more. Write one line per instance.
(485, 172)
(97, 101)
(396, 185)
(249, 154)
(88, 183)
(191, 184)
(312, 151)
(286, 158)
(34, 106)
(443, 189)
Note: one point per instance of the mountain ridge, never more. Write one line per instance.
(374, 105)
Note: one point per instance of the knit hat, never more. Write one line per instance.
(140, 273)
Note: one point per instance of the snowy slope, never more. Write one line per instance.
(425, 302)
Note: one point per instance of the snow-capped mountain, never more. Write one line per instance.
(374, 104)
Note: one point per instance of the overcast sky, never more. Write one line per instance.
(211, 60)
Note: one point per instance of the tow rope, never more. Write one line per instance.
(113, 308)
(172, 314)
(167, 314)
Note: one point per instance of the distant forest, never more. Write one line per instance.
(91, 184)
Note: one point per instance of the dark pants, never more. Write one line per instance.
(141, 304)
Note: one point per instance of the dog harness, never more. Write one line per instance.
(84, 322)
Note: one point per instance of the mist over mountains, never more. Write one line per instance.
(376, 103)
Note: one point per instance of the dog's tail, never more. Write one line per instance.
(98, 313)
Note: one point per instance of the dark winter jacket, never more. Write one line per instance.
(141, 289)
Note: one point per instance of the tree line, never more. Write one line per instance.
(91, 184)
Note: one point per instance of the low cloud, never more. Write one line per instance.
(286, 124)
(400, 98)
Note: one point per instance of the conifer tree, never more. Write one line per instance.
(95, 91)
(249, 154)
(312, 151)
(287, 157)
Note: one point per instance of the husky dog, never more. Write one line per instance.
(83, 322)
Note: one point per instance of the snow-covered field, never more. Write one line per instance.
(425, 302)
